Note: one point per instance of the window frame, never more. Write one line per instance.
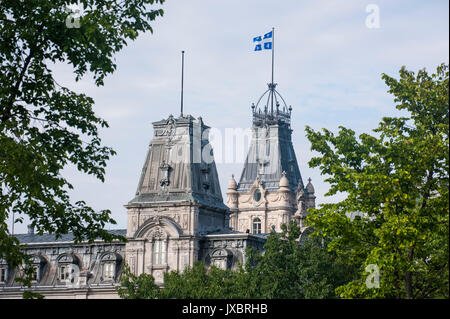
(257, 195)
(257, 223)
(159, 249)
(109, 270)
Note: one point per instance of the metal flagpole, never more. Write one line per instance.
(182, 78)
(273, 48)
(272, 87)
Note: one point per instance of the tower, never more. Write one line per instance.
(270, 191)
(178, 199)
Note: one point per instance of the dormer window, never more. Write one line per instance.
(68, 265)
(38, 264)
(110, 263)
(221, 258)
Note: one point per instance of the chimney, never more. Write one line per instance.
(30, 229)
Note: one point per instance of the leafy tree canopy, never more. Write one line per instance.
(45, 126)
(397, 181)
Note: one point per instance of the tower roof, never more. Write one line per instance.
(175, 168)
(271, 151)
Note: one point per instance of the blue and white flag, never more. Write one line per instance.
(264, 42)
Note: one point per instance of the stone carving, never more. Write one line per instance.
(156, 220)
(185, 221)
(36, 259)
(133, 223)
(169, 130)
(67, 258)
(131, 262)
(165, 168)
(158, 233)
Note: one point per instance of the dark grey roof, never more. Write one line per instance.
(47, 238)
(228, 231)
(268, 156)
(271, 150)
(224, 231)
(176, 167)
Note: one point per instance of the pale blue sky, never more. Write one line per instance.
(328, 66)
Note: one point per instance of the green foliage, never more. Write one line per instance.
(398, 181)
(284, 270)
(45, 126)
(137, 287)
(287, 270)
(199, 282)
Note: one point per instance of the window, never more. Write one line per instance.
(68, 268)
(220, 263)
(63, 273)
(256, 226)
(257, 195)
(159, 252)
(108, 271)
(35, 276)
(110, 263)
(3, 274)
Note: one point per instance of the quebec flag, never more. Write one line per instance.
(263, 42)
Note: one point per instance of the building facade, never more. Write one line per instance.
(177, 215)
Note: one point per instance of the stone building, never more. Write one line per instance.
(177, 215)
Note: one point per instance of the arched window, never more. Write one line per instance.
(68, 267)
(221, 258)
(256, 226)
(159, 245)
(110, 264)
(38, 263)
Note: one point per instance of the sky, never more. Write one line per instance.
(328, 66)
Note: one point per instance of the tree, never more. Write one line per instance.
(284, 270)
(137, 287)
(198, 282)
(397, 182)
(45, 126)
(302, 271)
